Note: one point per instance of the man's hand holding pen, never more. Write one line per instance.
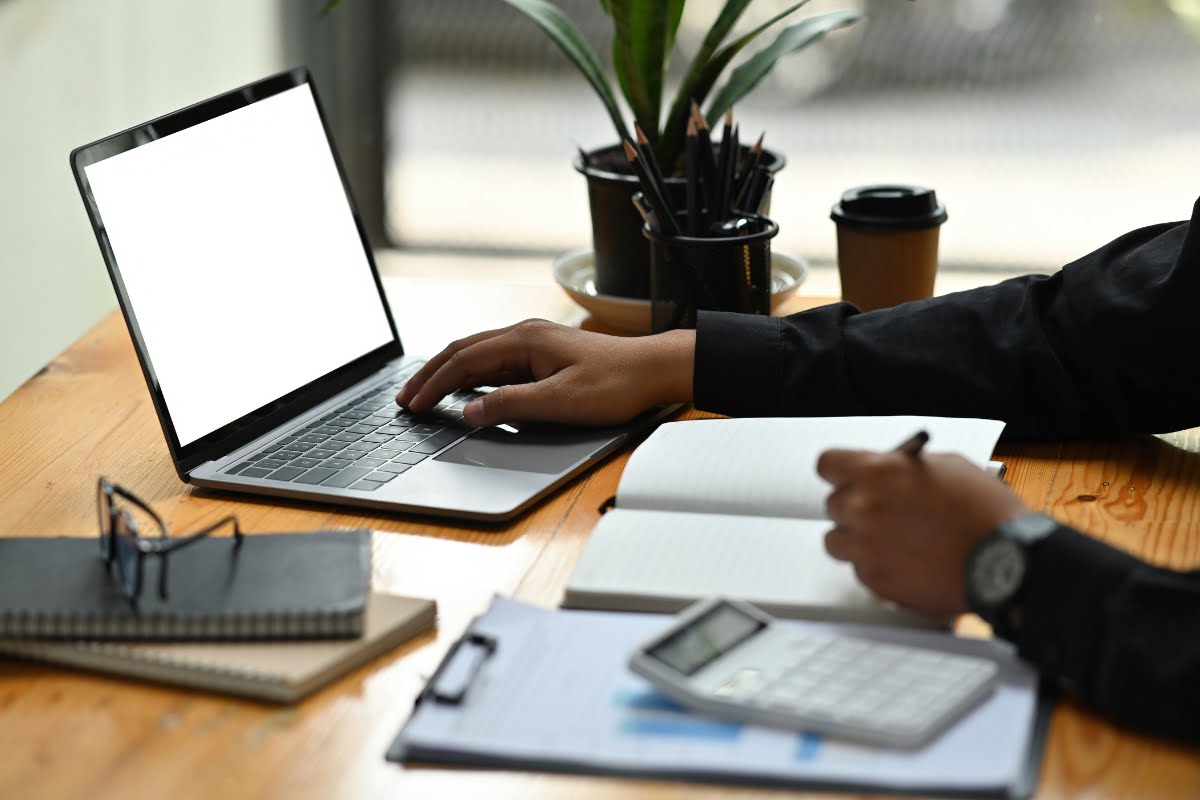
(907, 520)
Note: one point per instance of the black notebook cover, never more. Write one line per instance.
(274, 586)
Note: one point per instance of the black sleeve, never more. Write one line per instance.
(1122, 635)
(1105, 346)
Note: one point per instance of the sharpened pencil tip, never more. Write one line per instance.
(630, 151)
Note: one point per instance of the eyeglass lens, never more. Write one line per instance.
(104, 512)
(127, 555)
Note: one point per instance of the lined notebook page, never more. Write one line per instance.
(767, 466)
(662, 561)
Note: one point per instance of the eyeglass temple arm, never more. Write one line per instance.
(164, 546)
(132, 498)
(173, 544)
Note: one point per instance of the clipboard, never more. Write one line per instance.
(531, 688)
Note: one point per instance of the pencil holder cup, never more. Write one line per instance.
(730, 271)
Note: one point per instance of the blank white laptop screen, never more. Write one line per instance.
(241, 259)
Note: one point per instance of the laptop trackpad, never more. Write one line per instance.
(545, 449)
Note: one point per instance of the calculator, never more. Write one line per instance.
(728, 659)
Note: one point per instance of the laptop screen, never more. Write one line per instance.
(241, 259)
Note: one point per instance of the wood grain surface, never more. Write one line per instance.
(69, 734)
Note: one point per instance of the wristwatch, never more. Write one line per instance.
(997, 564)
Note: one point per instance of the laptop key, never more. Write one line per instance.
(307, 463)
(339, 423)
(347, 437)
(285, 474)
(427, 430)
(239, 468)
(361, 447)
(316, 475)
(382, 476)
(336, 463)
(322, 453)
(346, 477)
(395, 468)
(361, 427)
(438, 441)
(368, 486)
(377, 438)
(355, 414)
(255, 472)
(373, 463)
(409, 458)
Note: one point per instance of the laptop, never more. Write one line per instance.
(260, 321)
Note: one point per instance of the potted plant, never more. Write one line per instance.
(643, 41)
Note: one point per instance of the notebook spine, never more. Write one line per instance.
(282, 625)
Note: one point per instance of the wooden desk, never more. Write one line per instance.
(67, 734)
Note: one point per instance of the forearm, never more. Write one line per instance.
(1095, 349)
(1119, 633)
(665, 365)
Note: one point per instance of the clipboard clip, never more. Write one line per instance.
(458, 669)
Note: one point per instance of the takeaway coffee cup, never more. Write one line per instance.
(887, 244)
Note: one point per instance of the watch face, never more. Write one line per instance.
(997, 571)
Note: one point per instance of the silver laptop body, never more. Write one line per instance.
(259, 318)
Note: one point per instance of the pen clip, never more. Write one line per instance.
(459, 669)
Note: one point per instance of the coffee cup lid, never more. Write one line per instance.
(899, 208)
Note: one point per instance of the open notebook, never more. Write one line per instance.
(734, 507)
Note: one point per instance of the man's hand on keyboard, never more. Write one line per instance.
(552, 373)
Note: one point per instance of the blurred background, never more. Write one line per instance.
(1047, 128)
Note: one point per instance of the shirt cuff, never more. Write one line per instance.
(735, 371)
(1070, 583)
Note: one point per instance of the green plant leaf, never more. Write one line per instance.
(795, 37)
(563, 33)
(670, 141)
(642, 29)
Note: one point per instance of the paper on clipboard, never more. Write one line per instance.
(556, 695)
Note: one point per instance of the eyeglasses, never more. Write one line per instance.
(124, 522)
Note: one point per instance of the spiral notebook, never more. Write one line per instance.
(272, 586)
(281, 672)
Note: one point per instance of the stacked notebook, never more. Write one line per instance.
(59, 603)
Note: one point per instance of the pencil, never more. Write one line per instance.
(914, 444)
(708, 164)
(646, 212)
(730, 169)
(721, 189)
(661, 210)
(753, 159)
(693, 178)
(651, 162)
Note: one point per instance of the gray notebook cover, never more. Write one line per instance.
(274, 586)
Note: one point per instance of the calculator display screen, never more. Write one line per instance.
(707, 638)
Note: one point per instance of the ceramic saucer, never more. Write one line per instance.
(575, 272)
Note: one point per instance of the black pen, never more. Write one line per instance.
(914, 445)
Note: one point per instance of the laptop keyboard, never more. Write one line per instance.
(362, 444)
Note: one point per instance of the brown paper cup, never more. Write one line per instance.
(887, 244)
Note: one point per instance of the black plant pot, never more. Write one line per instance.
(622, 253)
